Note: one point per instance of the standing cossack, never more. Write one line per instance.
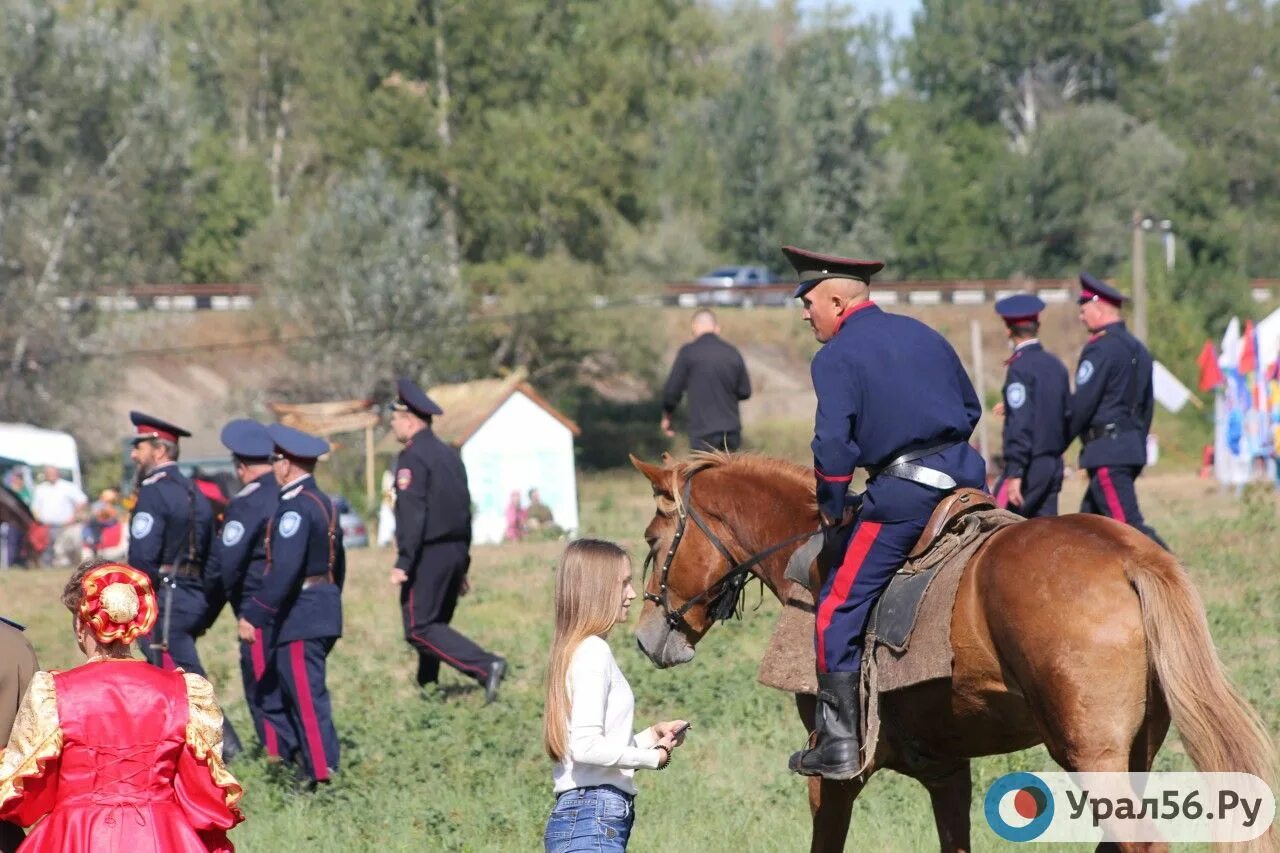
(301, 597)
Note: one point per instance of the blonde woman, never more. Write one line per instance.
(588, 726)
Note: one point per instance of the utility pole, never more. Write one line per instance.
(1139, 279)
(975, 347)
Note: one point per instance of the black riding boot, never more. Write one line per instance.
(836, 752)
(231, 746)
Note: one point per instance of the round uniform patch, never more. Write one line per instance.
(403, 478)
(141, 525)
(1085, 372)
(1016, 394)
(232, 533)
(289, 523)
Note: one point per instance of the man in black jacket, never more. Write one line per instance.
(433, 540)
(711, 370)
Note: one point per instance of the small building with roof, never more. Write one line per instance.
(512, 440)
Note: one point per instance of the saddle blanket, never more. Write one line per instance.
(910, 629)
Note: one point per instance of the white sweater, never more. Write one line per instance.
(602, 749)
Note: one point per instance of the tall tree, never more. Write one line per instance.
(1014, 62)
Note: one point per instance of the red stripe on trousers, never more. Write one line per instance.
(459, 664)
(307, 708)
(1109, 492)
(167, 662)
(258, 657)
(845, 576)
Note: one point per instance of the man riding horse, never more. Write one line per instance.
(893, 398)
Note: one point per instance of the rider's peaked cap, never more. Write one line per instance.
(813, 267)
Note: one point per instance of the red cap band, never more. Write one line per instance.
(149, 431)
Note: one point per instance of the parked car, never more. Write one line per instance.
(736, 286)
(354, 532)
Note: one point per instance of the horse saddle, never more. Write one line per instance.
(960, 502)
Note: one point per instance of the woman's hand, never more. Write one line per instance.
(671, 732)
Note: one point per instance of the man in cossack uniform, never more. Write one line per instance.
(893, 398)
(1037, 394)
(1112, 407)
(433, 543)
(169, 540)
(301, 596)
(236, 563)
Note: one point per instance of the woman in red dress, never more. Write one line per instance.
(117, 754)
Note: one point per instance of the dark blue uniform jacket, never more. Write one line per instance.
(161, 533)
(433, 503)
(239, 554)
(887, 384)
(1113, 386)
(1037, 397)
(301, 588)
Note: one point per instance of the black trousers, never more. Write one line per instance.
(1041, 483)
(265, 697)
(730, 441)
(427, 602)
(1112, 493)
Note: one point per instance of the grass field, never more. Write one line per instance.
(444, 772)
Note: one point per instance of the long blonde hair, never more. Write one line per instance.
(587, 602)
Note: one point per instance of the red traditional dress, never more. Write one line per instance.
(119, 755)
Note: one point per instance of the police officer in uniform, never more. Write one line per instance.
(300, 598)
(893, 398)
(433, 541)
(236, 562)
(169, 540)
(1037, 392)
(1112, 407)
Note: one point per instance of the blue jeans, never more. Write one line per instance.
(590, 819)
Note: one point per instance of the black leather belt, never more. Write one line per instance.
(315, 580)
(903, 467)
(1104, 431)
(182, 570)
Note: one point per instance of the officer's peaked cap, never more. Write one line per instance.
(1020, 307)
(1091, 289)
(148, 427)
(813, 267)
(409, 397)
(296, 443)
(247, 439)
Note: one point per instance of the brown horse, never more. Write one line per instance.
(1077, 632)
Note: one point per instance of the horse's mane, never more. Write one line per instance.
(747, 464)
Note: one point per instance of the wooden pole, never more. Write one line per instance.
(368, 466)
(1139, 280)
(979, 384)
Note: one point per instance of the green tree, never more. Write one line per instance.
(1013, 62)
(91, 169)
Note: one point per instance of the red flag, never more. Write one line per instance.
(1210, 373)
(1249, 353)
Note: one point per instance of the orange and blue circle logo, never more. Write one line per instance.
(1019, 806)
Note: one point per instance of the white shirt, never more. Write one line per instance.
(602, 748)
(56, 503)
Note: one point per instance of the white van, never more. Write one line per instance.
(31, 448)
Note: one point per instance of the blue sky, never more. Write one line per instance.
(900, 11)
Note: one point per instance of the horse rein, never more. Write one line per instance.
(732, 582)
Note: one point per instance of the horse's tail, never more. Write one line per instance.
(1220, 730)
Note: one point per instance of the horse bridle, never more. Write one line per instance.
(724, 593)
